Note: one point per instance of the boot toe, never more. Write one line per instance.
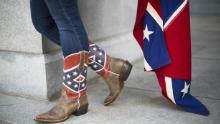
(111, 98)
(41, 117)
(46, 117)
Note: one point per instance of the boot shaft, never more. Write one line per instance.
(75, 74)
(98, 60)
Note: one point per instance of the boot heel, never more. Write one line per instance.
(126, 70)
(82, 110)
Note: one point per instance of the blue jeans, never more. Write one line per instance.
(59, 21)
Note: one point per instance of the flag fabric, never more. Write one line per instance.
(154, 47)
(162, 30)
(178, 92)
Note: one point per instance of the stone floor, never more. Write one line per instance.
(141, 101)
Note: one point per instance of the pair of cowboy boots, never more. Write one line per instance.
(73, 98)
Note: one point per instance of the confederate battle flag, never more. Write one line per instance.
(162, 30)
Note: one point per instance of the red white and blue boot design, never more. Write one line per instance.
(75, 74)
(98, 60)
(73, 99)
(114, 71)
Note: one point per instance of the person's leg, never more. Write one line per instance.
(43, 21)
(75, 47)
(73, 36)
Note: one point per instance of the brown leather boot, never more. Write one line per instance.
(114, 71)
(73, 99)
(119, 72)
(64, 108)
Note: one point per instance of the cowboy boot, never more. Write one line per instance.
(73, 98)
(113, 70)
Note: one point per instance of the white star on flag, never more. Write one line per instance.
(75, 73)
(69, 82)
(75, 85)
(100, 53)
(100, 61)
(147, 33)
(68, 76)
(185, 89)
(95, 66)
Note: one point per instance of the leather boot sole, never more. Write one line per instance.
(49, 121)
(124, 74)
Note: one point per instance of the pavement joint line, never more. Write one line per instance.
(24, 97)
(6, 105)
(98, 40)
(29, 53)
(203, 15)
(198, 50)
(153, 91)
(209, 98)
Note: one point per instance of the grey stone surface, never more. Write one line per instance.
(17, 32)
(206, 32)
(104, 18)
(142, 80)
(53, 67)
(208, 53)
(205, 7)
(23, 73)
(122, 46)
(134, 105)
(29, 74)
(49, 46)
(205, 78)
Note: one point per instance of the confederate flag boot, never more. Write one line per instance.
(113, 70)
(73, 98)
